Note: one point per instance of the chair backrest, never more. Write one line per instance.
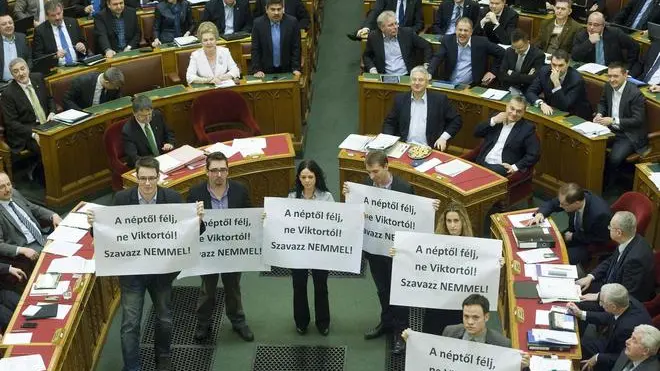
(652, 116)
(525, 24)
(657, 268)
(182, 61)
(114, 150)
(147, 27)
(246, 58)
(220, 106)
(142, 73)
(88, 31)
(612, 7)
(594, 92)
(60, 85)
(638, 204)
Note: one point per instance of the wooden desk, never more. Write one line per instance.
(558, 140)
(70, 175)
(643, 184)
(519, 315)
(477, 188)
(271, 174)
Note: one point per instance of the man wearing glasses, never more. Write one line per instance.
(220, 193)
(603, 44)
(145, 134)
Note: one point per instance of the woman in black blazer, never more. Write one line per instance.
(173, 18)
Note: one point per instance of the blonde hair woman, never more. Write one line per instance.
(211, 64)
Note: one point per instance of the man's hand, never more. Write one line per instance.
(509, 72)
(391, 252)
(297, 73)
(593, 7)
(50, 116)
(89, 9)
(537, 219)
(80, 48)
(90, 217)
(654, 88)
(363, 32)
(18, 273)
(488, 78)
(585, 282)
(589, 297)
(404, 334)
(489, 17)
(128, 48)
(167, 147)
(573, 309)
(436, 204)
(555, 78)
(60, 53)
(546, 109)
(28, 253)
(36, 138)
(568, 236)
(594, 38)
(156, 43)
(110, 53)
(524, 362)
(509, 168)
(441, 144)
(199, 205)
(56, 220)
(344, 189)
(605, 121)
(589, 364)
(259, 74)
(499, 118)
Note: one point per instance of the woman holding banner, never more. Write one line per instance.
(310, 185)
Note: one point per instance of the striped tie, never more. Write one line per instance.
(34, 231)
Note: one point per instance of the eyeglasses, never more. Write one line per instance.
(609, 227)
(223, 170)
(145, 179)
(594, 24)
(144, 116)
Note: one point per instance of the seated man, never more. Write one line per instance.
(8, 298)
(649, 70)
(466, 56)
(116, 29)
(408, 14)
(637, 13)
(631, 265)
(498, 24)
(423, 116)
(522, 146)
(622, 108)
(588, 220)
(14, 45)
(275, 42)
(562, 87)
(449, 12)
(641, 352)
(559, 31)
(84, 8)
(228, 15)
(520, 64)
(60, 35)
(30, 8)
(622, 314)
(392, 50)
(146, 133)
(604, 44)
(94, 88)
(294, 8)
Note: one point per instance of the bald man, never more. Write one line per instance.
(603, 44)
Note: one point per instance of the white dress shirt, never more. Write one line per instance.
(494, 157)
(98, 89)
(229, 19)
(616, 101)
(199, 65)
(655, 79)
(417, 127)
(71, 50)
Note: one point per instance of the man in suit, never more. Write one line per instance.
(275, 42)
(449, 12)
(228, 15)
(637, 13)
(641, 352)
(30, 8)
(15, 44)
(498, 24)
(466, 57)
(392, 50)
(83, 8)
(422, 116)
(520, 64)
(146, 133)
(116, 29)
(8, 298)
(408, 13)
(220, 193)
(631, 265)
(159, 286)
(559, 31)
(94, 88)
(60, 35)
(561, 86)
(604, 44)
(622, 109)
(588, 219)
(509, 141)
(294, 8)
(622, 313)
(649, 69)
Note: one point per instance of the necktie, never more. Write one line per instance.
(402, 12)
(643, 15)
(578, 221)
(68, 58)
(652, 70)
(458, 11)
(151, 139)
(96, 6)
(629, 366)
(519, 62)
(36, 105)
(600, 53)
(104, 96)
(34, 231)
(275, 34)
(176, 10)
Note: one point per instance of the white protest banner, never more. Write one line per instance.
(439, 271)
(389, 211)
(145, 239)
(313, 234)
(230, 243)
(438, 353)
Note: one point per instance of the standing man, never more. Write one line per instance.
(14, 45)
(146, 133)
(60, 35)
(229, 16)
(520, 64)
(449, 12)
(498, 24)
(116, 28)
(275, 42)
(94, 88)
(159, 286)
(559, 31)
(641, 352)
(294, 8)
(30, 8)
(220, 193)
(604, 44)
(408, 14)
(422, 116)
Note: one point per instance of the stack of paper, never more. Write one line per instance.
(225, 84)
(557, 270)
(537, 363)
(504, 46)
(67, 234)
(62, 248)
(32, 362)
(537, 255)
(522, 220)
(594, 68)
(397, 150)
(61, 289)
(76, 220)
(88, 206)
(383, 141)
(494, 94)
(355, 142)
(185, 40)
(453, 167)
(558, 289)
(14, 338)
(228, 151)
(591, 129)
(655, 178)
(179, 158)
(249, 146)
(428, 165)
(72, 264)
(555, 337)
(70, 116)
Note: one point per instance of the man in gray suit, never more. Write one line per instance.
(27, 8)
(15, 46)
(641, 350)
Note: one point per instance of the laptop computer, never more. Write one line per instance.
(45, 64)
(24, 24)
(654, 31)
(533, 6)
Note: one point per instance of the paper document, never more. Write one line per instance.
(185, 40)
(531, 271)
(557, 270)
(504, 46)
(655, 178)
(537, 363)
(168, 163)
(383, 141)
(76, 220)
(67, 234)
(70, 115)
(33, 362)
(31, 310)
(225, 84)
(397, 150)
(221, 147)
(63, 310)
(520, 220)
(494, 94)
(355, 142)
(245, 152)
(428, 165)
(591, 129)
(10, 338)
(61, 289)
(556, 308)
(88, 206)
(453, 167)
(555, 337)
(542, 317)
(193, 2)
(558, 289)
(594, 68)
(249, 143)
(537, 255)
(72, 264)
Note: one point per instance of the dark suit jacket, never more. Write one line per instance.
(502, 34)
(237, 195)
(534, 60)
(565, 38)
(522, 147)
(11, 235)
(214, 11)
(164, 18)
(615, 42)
(627, 15)
(633, 269)
(632, 113)
(412, 18)
(619, 330)
(492, 337)
(22, 51)
(163, 196)
(19, 117)
(44, 39)
(398, 184)
(104, 30)
(445, 11)
(481, 49)
(441, 116)
(135, 141)
(649, 364)
(294, 8)
(81, 92)
(571, 96)
(595, 219)
(262, 45)
(642, 68)
(409, 43)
